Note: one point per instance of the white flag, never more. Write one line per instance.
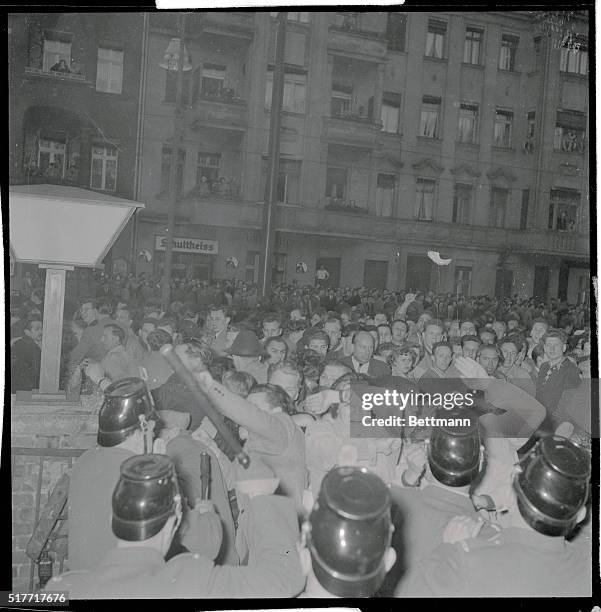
(437, 259)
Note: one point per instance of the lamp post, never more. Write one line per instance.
(176, 59)
(275, 122)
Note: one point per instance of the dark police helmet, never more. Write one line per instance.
(146, 495)
(454, 450)
(125, 401)
(350, 531)
(552, 485)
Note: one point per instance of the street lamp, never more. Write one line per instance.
(177, 59)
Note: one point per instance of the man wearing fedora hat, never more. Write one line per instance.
(245, 351)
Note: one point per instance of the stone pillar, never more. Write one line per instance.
(52, 337)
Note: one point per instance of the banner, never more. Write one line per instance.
(188, 245)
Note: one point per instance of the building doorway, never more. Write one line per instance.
(332, 265)
(419, 271)
(541, 283)
(375, 274)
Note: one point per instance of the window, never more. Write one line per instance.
(104, 167)
(462, 203)
(288, 187)
(430, 117)
(570, 128)
(503, 128)
(530, 132)
(463, 280)
(252, 266)
(341, 100)
(57, 55)
(424, 200)
(385, 195)
(509, 47)
(574, 60)
(207, 171)
(302, 17)
(538, 52)
(473, 44)
(396, 31)
(435, 38)
(498, 207)
(563, 210)
(295, 89)
(171, 86)
(391, 112)
(524, 209)
(212, 80)
(109, 70)
(166, 170)
(51, 157)
(336, 184)
(468, 123)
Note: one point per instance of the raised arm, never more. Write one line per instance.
(240, 410)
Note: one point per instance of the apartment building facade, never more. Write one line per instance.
(459, 132)
(74, 97)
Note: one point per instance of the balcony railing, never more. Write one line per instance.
(569, 142)
(345, 205)
(356, 112)
(221, 187)
(226, 95)
(352, 22)
(63, 75)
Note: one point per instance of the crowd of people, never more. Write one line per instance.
(413, 511)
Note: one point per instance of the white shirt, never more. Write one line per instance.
(360, 368)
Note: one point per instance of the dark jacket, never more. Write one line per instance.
(376, 369)
(25, 360)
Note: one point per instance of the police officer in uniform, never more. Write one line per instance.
(146, 512)
(345, 545)
(436, 487)
(530, 558)
(125, 428)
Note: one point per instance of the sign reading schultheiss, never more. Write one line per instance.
(188, 245)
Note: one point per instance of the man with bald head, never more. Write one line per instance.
(361, 361)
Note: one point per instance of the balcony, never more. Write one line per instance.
(351, 34)
(67, 75)
(353, 130)
(222, 110)
(221, 188)
(233, 24)
(349, 206)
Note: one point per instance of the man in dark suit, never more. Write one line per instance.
(25, 357)
(361, 360)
